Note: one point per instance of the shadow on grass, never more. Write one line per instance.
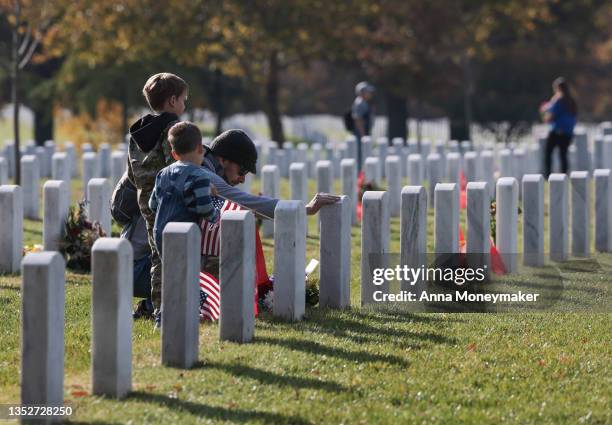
(337, 351)
(216, 413)
(271, 378)
(392, 315)
(11, 287)
(347, 328)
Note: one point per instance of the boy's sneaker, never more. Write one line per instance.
(144, 309)
(157, 326)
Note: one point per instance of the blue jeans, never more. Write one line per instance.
(142, 277)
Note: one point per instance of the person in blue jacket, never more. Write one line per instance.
(560, 112)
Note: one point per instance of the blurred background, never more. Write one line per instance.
(286, 70)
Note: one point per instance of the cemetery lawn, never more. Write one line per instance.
(351, 366)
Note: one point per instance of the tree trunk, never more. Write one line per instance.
(467, 94)
(15, 94)
(397, 112)
(272, 109)
(43, 121)
(218, 101)
(125, 109)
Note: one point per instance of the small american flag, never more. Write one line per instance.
(210, 297)
(211, 231)
(210, 292)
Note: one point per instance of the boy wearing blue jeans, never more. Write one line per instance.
(182, 189)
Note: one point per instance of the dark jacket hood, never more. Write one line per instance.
(147, 130)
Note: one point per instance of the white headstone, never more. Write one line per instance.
(374, 242)
(413, 227)
(118, 166)
(505, 163)
(4, 171)
(581, 239)
(91, 168)
(446, 220)
(237, 276)
(415, 169)
(372, 171)
(104, 155)
(30, 182)
(325, 177)
(453, 168)
(42, 332)
(506, 222)
(99, 194)
(434, 172)
(11, 228)
(70, 150)
(56, 204)
(478, 243)
(603, 210)
(60, 168)
(270, 186)
(289, 260)
(298, 178)
(349, 184)
(180, 294)
(335, 255)
(472, 167)
(533, 220)
(111, 343)
(43, 166)
(49, 151)
(394, 184)
(558, 214)
(488, 167)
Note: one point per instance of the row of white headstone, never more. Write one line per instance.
(63, 166)
(44, 297)
(46, 157)
(413, 221)
(44, 273)
(512, 160)
(56, 204)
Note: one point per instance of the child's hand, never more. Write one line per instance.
(213, 190)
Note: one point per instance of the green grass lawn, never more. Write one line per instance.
(351, 366)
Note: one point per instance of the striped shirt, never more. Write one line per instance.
(196, 190)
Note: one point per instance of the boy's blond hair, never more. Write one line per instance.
(161, 87)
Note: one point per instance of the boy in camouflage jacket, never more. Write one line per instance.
(149, 152)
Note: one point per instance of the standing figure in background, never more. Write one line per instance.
(561, 113)
(362, 113)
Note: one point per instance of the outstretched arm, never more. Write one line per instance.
(261, 205)
(320, 200)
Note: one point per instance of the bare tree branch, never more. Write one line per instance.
(26, 59)
(25, 40)
(38, 34)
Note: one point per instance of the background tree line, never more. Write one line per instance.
(473, 61)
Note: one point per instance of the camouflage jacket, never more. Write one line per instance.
(149, 152)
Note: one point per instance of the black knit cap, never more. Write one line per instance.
(236, 146)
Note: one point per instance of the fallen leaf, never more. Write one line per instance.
(79, 393)
(471, 347)
(541, 362)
